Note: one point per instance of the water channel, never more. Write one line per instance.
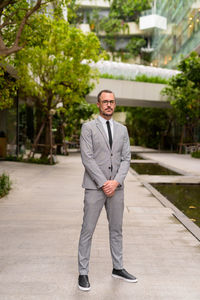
(152, 169)
(185, 197)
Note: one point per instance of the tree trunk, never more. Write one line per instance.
(182, 136)
(46, 146)
(51, 139)
(63, 140)
(34, 147)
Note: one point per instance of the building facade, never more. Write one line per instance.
(182, 35)
(90, 14)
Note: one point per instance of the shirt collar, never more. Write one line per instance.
(104, 120)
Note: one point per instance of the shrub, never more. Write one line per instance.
(5, 185)
(33, 160)
(140, 78)
(195, 154)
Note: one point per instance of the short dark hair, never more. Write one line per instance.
(103, 91)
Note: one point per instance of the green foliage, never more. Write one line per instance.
(5, 185)
(112, 27)
(122, 11)
(33, 160)
(149, 127)
(184, 92)
(140, 78)
(72, 117)
(118, 77)
(134, 46)
(152, 79)
(184, 89)
(20, 26)
(8, 89)
(128, 10)
(195, 154)
(53, 71)
(56, 70)
(17, 19)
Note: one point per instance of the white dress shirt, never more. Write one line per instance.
(103, 121)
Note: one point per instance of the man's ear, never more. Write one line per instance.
(97, 104)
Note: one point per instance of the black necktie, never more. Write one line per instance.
(109, 133)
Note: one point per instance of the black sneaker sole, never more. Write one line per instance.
(125, 279)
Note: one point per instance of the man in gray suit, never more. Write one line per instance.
(105, 153)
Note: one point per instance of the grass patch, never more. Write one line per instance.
(5, 185)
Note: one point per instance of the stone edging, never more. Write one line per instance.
(187, 223)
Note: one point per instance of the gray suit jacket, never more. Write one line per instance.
(100, 162)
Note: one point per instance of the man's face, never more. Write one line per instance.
(106, 105)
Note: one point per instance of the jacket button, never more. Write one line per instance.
(111, 154)
(109, 167)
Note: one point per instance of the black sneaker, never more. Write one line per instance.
(123, 274)
(83, 283)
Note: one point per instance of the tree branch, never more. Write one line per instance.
(2, 45)
(5, 51)
(28, 14)
(5, 3)
(8, 21)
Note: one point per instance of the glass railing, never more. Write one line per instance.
(184, 37)
(147, 12)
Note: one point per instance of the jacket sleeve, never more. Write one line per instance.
(87, 156)
(125, 160)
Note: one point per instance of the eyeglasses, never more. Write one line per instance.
(106, 102)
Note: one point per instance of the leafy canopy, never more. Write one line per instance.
(16, 16)
(55, 70)
(20, 26)
(184, 89)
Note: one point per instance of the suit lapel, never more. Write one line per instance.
(101, 129)
(115, 129)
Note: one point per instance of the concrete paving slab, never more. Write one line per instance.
(170, 179)
(40, 222)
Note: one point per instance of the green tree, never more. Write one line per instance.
(8, 88)
(16, 16)
(150, 127)
(184, 94)
(20, 26)
(57, 70)
(67, 122)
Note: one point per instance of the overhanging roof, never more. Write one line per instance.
(131, 93)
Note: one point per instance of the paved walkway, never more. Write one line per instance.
(40, 222)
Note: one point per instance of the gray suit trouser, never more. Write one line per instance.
(94, 201)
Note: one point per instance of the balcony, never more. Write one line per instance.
(153, 21)
(129, 29)
(94, 3)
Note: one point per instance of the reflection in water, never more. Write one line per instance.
(135, 156)
(151, 169)
(185, 197)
